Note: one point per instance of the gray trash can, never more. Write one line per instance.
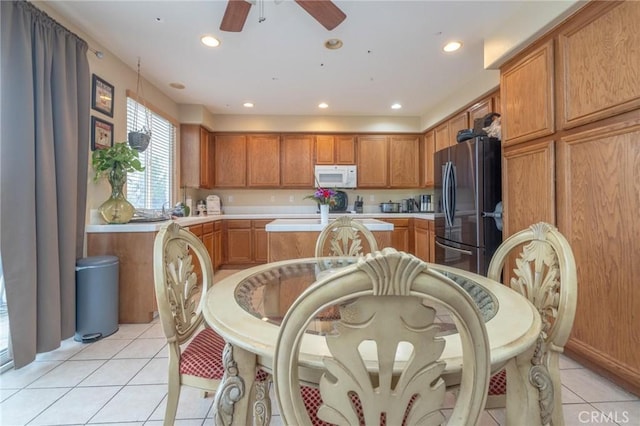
(96, 297)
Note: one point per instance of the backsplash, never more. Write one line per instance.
(240, 201)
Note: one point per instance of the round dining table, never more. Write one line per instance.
(246, 309)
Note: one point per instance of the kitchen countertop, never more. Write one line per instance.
(194, 220)
(314, 225)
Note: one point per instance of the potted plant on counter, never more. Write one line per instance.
(114, 163)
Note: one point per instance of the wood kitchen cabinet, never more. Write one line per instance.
(427, 151)
(263, 161)
(260, 242)
(297, 161)
(246, 241)
(372, 161)
(331, 149)
(404, 161)
(230, 161)
(217, 257)
(400, 235)
(526, 86)
(196, 157)
(424, 239)
(441, 136)
(457, 123)
(480, 110)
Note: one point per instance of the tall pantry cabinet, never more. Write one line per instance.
(571, 156)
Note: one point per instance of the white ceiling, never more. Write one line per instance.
(392, 52)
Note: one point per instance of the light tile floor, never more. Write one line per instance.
(122, 380)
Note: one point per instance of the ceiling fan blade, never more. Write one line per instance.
(324, 11)
(235, 15)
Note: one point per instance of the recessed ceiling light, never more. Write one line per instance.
(210, 41)
(333, 43)
(248, 104)
(396, 106)
(178, 86)
(452, 46)
(323, 105)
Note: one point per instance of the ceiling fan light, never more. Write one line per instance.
(209, 40)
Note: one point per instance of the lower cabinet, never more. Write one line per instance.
(424, 239)
(400, 236)
(246, 241)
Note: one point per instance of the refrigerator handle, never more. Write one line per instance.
(446, 199)
(468, 252)
(454, 186)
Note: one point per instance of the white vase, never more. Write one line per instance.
(324, 214)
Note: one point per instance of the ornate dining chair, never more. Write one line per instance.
(344, 237)
(180, 293)
(545, 273)
(382, 315)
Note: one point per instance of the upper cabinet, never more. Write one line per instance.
(457, 123)
(480, 110)
(404, 161)
(372, 161)
(332, 149)
(230, 161)
(441, 135)
(428, 149)
(196, 157)
(598, 75)
(526, 85)
(389, 161)
(263, 161)
(297, 161)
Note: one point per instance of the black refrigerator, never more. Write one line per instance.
(468, 219)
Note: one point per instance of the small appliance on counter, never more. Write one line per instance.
(341, 201)
(201, 207)
(213, 205)
(425, 203)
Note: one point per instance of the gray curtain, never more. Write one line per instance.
(43, 173)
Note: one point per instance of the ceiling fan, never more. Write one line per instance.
(323, 11)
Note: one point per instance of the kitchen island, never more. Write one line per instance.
(296, 238)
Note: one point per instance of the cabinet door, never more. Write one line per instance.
(325, 149)
(421, 242)
(297, 161)
(457, 123)
(400, 234)
(239, 241)
(345, 150)
(441, 134)
(196, 168)
(260, 242)
(598, 65)
(263, 161)
(479, 110)
(230, 161)
(217, 248)
(372, 162)
(527, 89)
(429, 148)
(598, 201)
(404, 161)
(528, 179)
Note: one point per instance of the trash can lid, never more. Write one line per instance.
(96, 262)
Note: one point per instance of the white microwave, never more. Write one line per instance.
(337, 176)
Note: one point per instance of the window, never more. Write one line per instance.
(153, 187)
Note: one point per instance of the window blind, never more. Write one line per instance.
(152, 188)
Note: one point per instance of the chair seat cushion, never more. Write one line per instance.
(498, 383)
(312, 401)
(203, 356)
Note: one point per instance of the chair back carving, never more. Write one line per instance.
(180, 292)
(545, 273)
(384, 350)
(344, 237)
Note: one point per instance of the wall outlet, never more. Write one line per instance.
(372, 197)
(230, 198)
(292, 198)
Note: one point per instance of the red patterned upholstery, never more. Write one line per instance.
(312, 401)
(498, 383)
(203, 356)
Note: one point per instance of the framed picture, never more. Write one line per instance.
(102, 96)
(101, 134)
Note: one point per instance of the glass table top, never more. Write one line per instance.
(269, 294)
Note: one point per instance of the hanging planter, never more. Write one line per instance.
(139, 139)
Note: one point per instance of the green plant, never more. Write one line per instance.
(119, 158)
